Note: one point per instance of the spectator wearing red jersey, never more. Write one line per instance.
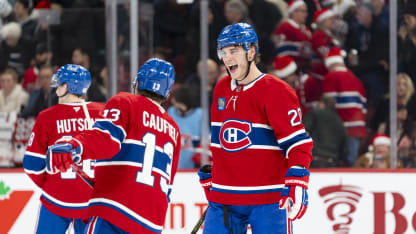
(292, 37)
(307, 88)
(351, 103)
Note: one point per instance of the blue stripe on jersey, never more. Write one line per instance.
(135, 153)
(33, 163)
(114, 130)
(350, 99)
(287, 48)
(125, 214)
(74, 206)
(247, 191)
(258, 136)
(285, 145)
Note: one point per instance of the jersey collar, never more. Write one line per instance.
(234, 84)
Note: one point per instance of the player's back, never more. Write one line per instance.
(64, 193)
(132, 186)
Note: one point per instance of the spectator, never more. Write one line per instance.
(188, 117)
(405, 96)
(236, 11)
(194, 80)
(322, 40)
(404, 127)
(81, 57)
(12, 96)
(5, 11)
(348, 91)
(15, 51)
(328, 133)
(378, 155)
(407, 42)
(265, 16)
(371, 39)
(21, 11)
(292, 37)
(216, 21)
(307, 88)
(42, 57)
(42, 95)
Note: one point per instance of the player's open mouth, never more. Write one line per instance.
(232, 68)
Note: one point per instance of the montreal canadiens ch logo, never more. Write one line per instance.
(234, 135)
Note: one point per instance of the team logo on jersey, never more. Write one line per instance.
(221, 103)
(234, 135)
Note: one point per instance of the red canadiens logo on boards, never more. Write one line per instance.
(234, 135)
(336, 196)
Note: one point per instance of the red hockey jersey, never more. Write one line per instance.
(64, 194)
(309, 92)
(292, 39)
(322, 42)
(137, 151)
(256, 135)
(351, 102)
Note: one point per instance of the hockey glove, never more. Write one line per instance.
(205, 178)
(295, 195)
(62, 155)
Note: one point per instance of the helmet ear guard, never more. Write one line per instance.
(155, 75)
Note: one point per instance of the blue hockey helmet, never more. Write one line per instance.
(77, 78)
(156, 75)
(237, 34)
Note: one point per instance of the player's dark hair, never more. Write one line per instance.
(152, 95)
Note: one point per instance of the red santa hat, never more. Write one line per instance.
(335, 55)
(321, 15)
(284, 66)
(294, 4)
(43, 4)
(380, 139)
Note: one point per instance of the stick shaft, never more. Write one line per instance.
(200, 222)
(83, 175)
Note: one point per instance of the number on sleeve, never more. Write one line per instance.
(296, 118)
(114, 114)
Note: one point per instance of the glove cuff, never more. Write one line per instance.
(297, 177)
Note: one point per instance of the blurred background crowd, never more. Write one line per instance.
(334, 53)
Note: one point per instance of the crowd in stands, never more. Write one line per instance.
(334, 54)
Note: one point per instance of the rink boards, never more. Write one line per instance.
(340, 201)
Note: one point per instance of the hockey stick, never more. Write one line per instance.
(76, 168)
(83, 175)
(200, 222)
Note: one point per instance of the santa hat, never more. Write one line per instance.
(284, 66)
(335, 55)
(294, 4)
(380, 139)
(321, 15)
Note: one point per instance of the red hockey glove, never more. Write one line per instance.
(63, 154)
(295, 195)
(205, 178)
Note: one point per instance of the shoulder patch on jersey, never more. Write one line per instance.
(221, 103)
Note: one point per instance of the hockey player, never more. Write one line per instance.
(137, 149)
(64, 196)
(260, 149)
